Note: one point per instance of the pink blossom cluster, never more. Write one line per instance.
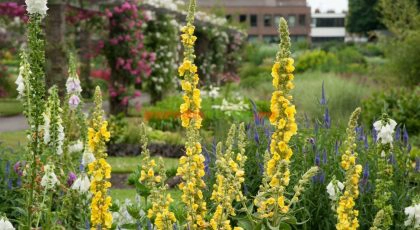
(13, 9)
(131, 60)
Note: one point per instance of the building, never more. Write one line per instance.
(262, 16)
(328, 27)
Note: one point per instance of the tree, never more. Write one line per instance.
(363, 16)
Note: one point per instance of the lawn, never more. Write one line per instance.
(129, 164)
(10, 107)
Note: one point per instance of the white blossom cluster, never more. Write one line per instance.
(334, 189)
(168, 4)
(49, 180)
(36, 7)
(385, 130)
(81, 184)
(123, 216)
(413, 216)
(5, 224)
(212, 92)
(229, 107)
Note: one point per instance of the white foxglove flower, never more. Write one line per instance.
(76, 147)
(20, 82)
(5, 224)
(81, 184)
(413, 216)
(385, 130)
(61, 136)
(36, 6)
(87, 158)
(46, 128)
(49, 180)
(333, 189)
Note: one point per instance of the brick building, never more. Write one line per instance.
(262, 16)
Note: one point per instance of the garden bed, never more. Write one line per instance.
(156, 149)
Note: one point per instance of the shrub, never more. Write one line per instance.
(316, 60)
(402, 104)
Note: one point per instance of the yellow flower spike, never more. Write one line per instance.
(346, 214)
(191, 167)
(229, 178)
(98, 135)
(271, 201)
(152, 175)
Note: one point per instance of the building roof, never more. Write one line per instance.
(246, 3)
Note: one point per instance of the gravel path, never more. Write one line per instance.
(14, 123)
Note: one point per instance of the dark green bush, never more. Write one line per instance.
(402, 105)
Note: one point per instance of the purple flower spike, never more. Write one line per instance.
(336, 146)
(327, 119)
(417, 168)
(398, 133)
(256, 137)
(374, 134)
(392, 159)
(405, 136)
(366, 171)
(324, 157)
(71, 178)
(366, 142)
(323, 100)
(10, 184)
(7, 171)
(317, 159)
(408, 148)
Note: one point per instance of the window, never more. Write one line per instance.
(267, 20)
(277, 20)
(271, 39)
(291, 20)
(252, 38)
(254, 20)
(242, 18)
(329, 22)
(302, 20)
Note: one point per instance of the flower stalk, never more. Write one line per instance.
(99, 169)
(191, 166)
(346, 213)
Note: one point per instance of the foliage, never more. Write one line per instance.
(316, 60)
(363, 16)
(402, 19)
(400, 104)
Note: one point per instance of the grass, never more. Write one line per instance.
(129, 164)
(343, 94)
(13, 139)
(10, 107)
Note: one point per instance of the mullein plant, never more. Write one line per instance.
(271, 200)
(230, 176)
(99, 169)
(32, 93)
(346, 213)
(152, 175)
(191, 166)
(385, 131)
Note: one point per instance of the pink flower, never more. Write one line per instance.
(137, 93)
(124, 101)
(113, 41)
(108, 13)
(74, 101)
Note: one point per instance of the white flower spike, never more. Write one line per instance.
(36, 7)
